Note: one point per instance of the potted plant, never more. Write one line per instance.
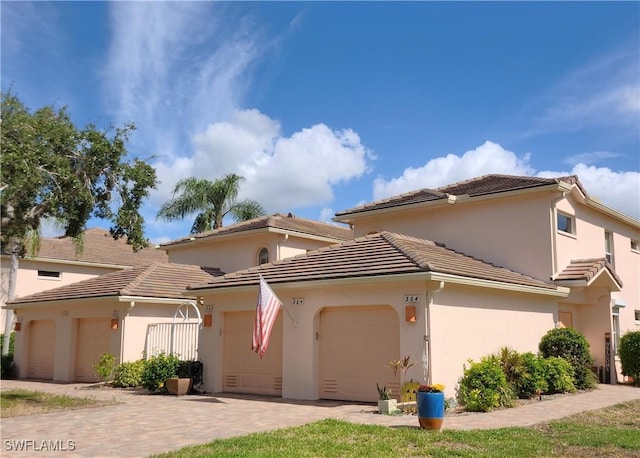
(386, 405)
(181, 383)
(430, 404)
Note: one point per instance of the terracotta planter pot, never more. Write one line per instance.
(178, 386)
(430, 410)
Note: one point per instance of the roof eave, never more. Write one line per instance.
(452, 199)
(558, 291)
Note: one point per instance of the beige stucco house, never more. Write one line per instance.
(58, 263)
(61, 332)
(441, 275)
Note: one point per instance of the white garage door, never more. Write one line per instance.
(356, 346)
(42, 344)
(93, 340)
(244, 371)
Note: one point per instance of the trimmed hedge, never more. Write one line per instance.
(569, 344)
(629, 351)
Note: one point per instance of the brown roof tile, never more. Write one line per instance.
(586, 270)
(163, 280)
(288, 222)
(99, 247)
(379, 254)
(487, 184)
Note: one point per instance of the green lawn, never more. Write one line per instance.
(610, 432)
(20, 402)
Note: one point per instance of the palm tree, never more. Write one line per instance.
(212, 199)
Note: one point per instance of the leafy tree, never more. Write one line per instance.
(53, 169)
(629, 350)
(212, 199)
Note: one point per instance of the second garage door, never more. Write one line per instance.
(244, 371)
(93, 340)
(356, 345)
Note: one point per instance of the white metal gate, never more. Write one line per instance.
(180, 339)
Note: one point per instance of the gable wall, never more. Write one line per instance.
(511, 232)
(240, 252)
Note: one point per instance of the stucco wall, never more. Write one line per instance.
(466, 323)
(512, 232)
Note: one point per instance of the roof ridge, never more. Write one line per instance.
(145, 271)
(396, 240)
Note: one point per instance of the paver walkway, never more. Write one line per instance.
(142, 424)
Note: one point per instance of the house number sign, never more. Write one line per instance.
(411, 298)
(297, 301)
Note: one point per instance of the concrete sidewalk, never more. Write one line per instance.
(142, 424)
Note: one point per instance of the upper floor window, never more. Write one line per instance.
(263, 256)
(634, 245)
(608, 246)
(49, 274)
(566, 223)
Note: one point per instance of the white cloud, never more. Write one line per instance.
(618, 190)
(487, 158)
(173, 68)
(590, 158)
(604, 92)
(282, 173)
(326, 214)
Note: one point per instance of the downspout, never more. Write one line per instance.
(132, 304)
(426, 355)
(554, 234)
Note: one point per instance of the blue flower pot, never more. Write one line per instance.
(430, 410)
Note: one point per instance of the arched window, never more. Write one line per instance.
(263, 256)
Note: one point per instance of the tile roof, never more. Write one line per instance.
(487, 184)
(586, 270)
(163, 280)
(287, 222)
(379, 254)
(99, 247)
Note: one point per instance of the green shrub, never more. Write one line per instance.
(159, 368)
(629, 350)
(12, 342)
(511, 364)
(558, 375)
(532, 380)
(569, 344)
(7, 366)
(105, 366)
(129, 374)
(484, 386)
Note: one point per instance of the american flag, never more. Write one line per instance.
(266, 314)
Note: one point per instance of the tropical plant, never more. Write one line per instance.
(211, 200)
(569, 344)
(532, 378)
(105, 366)
(53, 170)
(629, 350)
(129, 374)
(484, 386)
(435, 388)
(559, 375)
(159, 368)
(384, 393)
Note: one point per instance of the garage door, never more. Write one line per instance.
(244, 371)
(356, 345)
(42, 344)
(93, 340)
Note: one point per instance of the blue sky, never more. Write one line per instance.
(323, 106)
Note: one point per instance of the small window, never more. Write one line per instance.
(637, 314)
(634, 245)
(263, 256)
(608, 246)
(49, 274)
(566, 223)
